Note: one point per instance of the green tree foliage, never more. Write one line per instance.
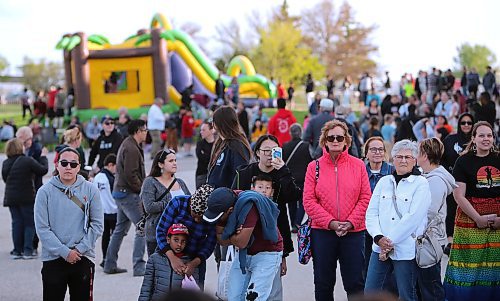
(4, 64)
(342, 43)
(477, 56)
(282, 54)
(41, 74)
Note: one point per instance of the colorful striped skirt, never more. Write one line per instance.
(473, 271)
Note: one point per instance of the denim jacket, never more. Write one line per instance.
(385, 170)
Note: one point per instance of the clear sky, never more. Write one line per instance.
(411, 35)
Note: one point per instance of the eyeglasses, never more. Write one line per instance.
(109, 123)
(466, 123)
(332, 138)
(376, 150)
(266, 152)
(406, 158)
(64, 163)
(143, 130)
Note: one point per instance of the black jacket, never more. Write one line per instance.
(285, 191)
(19, 172)
(203, 151)
(223, 172)
(454, 144)
(103, 146)
(35, 151)
(485, 112)
(300, 160)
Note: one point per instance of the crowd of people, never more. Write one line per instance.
(417, 166)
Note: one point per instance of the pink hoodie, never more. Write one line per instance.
(342, 192)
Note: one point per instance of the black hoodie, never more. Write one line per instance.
(285, 190)
(454, 144)
(105, 145)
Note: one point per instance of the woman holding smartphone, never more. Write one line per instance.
(285, 190)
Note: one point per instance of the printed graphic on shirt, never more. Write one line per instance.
(101, 186)
(457, 148)
(282, 125)
(105, 145)
(488, 177)
(220, 159)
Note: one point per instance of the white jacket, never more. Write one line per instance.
(108, 202)
(413, 198)
(156, 118)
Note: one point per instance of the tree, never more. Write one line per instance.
(42, 74)
(4, 64)
(233, 43)
(282, 55)
(477, 56)
(342, 44)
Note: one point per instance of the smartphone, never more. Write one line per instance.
(277, 152)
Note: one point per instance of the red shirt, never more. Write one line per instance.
(260, 244)
(52, 99)
(279, 125)
(187, 130)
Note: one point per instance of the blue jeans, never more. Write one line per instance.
(130, 211)
(430, 284)
(328, 248)
(23, 228)
(261, 269)
(405, 272)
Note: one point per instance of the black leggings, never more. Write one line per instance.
(451, 212)
(109, 227)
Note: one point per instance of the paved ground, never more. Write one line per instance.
(21, 279)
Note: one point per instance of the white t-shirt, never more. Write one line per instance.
(108, 202)
(177, 192)
(156, 118)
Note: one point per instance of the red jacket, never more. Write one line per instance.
(279, 125)
(187, 126)
(341, 193)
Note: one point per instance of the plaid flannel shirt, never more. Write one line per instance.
(202, 238)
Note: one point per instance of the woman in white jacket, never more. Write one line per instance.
(396, 214)
(441, 184)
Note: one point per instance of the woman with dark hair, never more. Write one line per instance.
(230, 151)
(336, 195)
(203, 152)
(157, 190)
(18, 172)
(285, 191)
(473, 272)
(374, 130)
(454, 144)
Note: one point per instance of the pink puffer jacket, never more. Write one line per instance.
(341, 193)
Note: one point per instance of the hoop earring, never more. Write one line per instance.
(474, 148)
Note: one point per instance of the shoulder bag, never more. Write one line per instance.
(142, 222)
(428, 251)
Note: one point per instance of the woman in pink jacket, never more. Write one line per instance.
(336, 195)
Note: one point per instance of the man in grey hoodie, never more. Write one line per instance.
(68, 221)
(441, 184)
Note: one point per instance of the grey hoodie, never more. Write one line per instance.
(61, 225)
(441, 184)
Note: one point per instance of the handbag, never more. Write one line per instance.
(304, 234)
(223, 278)
(141, 224)
(428, 251)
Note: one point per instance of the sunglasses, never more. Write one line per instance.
(65, 163)
(165, 152)
(466, 123)
(332, 138)
(109, 123)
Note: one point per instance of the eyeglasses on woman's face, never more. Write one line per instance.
(403, 158)
(375, 150)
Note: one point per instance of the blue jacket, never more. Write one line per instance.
(268, 213)
(385, 170)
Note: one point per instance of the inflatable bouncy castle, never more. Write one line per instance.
(157, 62)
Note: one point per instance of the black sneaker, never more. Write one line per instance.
(15, 255)
(101, 264)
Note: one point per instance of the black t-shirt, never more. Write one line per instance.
(480, 174)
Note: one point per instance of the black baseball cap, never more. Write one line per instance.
(219, 201)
